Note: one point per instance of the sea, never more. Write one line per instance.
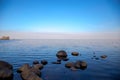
(20, 51)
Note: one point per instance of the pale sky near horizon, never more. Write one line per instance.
(60, 19)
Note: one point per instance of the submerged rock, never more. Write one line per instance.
(66, 59)
(6, 71)
(36, 62)
(75, 53)
(73, 68)
(61, 54)
(56, 62)
(69, 64)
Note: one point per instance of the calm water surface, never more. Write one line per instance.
(18, 52)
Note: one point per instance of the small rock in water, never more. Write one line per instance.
(97, 58)
(103, 56)
(75, 53)
(44, 62)
(73, 68)
(36, 62)
(66, 59)
(56, 62)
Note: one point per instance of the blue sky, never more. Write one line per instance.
(62, 16)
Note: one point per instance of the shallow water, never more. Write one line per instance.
(18, 52)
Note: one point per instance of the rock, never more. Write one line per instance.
(66, 59)
(69, 64)
(73, 68)
(97, 58)
(44, 62)
(75, 53)
(103, 56)
(61, 54)
(38, 66)
(35, 62)
(6, 71)
(56, 62)
(24, 68)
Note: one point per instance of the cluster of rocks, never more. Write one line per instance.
(6, 71)
(32, 72)
(62, 56)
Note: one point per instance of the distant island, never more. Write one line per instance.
(5, 38)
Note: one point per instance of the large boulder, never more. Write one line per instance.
(61, 54)
(6, 71)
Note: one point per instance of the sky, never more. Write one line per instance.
(63, 18)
